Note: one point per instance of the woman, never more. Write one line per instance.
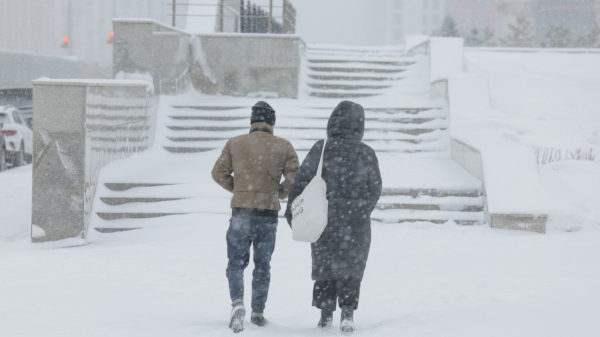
(351, 171)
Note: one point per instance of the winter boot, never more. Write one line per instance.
(326, 320)
(258, 319)
(347, 323)
(236, 322)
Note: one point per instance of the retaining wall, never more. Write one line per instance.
(144, 47)
(80, 126)
(228, 64)
(240, 64)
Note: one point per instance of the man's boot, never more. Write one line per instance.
(347, 322)
(258, 319)
(236, 322)
(326, 320)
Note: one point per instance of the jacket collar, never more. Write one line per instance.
(261, 126)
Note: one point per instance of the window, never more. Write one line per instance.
(16, 117)
(3, 119)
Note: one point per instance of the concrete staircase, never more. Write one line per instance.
(409, 130)
(421, 183)
(353, 72)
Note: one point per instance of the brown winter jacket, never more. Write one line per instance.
(257, 161)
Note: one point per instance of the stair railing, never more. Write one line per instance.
(243, 16)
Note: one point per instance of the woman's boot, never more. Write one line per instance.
(347, 323)
(326, 319)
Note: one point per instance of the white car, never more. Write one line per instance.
(17, 136)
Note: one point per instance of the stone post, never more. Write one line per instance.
(80, 126)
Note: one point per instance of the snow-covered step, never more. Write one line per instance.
(379, 146)
(356, 52)
(383, 123)
(194, 136)
(358, 68)
(341, 94)
(405, 130)
(334, 86)
(394, 216)
(342, 73)
(430, 200)
(162, 190)
(313, 133)
(127, 186)
(132, 215)
(415, 215)
(430, 192)
(312, 111)
(455, 204)
(313, 59)
(115, 201)
(430, 207)
(385, 119)
(344, 77)
(209, 107)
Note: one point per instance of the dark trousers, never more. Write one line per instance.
(243, 232)
(346, 290)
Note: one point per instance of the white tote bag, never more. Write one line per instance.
(309, 209)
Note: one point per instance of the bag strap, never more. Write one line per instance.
(320, 169)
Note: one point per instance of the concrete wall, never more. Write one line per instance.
(147, 47)
(80, 126)
(228, 64)
(239, 64)
(18, 69)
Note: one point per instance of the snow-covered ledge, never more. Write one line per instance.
(80, 126)
(512, 190)
(511, 186)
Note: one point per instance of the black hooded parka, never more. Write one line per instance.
(351, 172)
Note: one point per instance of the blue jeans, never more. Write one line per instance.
(243, 232)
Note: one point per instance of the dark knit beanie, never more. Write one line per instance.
(262, 113)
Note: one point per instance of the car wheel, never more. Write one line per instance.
(21, 158)
(2, 159)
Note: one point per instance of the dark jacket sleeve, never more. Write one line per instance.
(305, 174)
(374, 182)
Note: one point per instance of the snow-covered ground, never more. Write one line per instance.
(421, 279)
(544, 100)
(15, 204)
(539, 99)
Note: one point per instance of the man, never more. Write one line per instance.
(257, 161)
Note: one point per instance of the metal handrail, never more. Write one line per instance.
(176, 4)
(287, 25)
(229, 16)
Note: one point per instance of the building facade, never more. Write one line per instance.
(42, 26)
(409, 17)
